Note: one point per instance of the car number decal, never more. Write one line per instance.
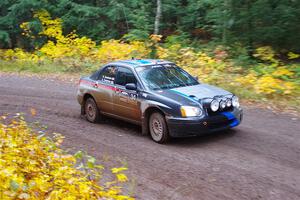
(132, 96)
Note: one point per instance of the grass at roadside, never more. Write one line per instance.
(46, 67)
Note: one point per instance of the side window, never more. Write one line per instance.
(108, 74)
(124, 76)
(95, 75)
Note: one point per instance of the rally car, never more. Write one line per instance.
(160, 96)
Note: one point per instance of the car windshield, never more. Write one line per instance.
(165, 76)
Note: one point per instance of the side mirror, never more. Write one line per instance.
(130, 86)
(196, 77)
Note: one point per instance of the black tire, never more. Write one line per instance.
(158, 128)
(91, 111)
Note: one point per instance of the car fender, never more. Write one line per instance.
(150, 104)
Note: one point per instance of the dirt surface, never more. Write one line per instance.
(260, 159)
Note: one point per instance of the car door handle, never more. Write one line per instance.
(117, 90)
(95, 85)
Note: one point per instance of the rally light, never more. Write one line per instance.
(223, 104)
(228, 103)
(214, 105)
(235, 101)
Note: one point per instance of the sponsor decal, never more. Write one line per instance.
(108, 79)
(99, 85)
(184, 95)
(86, 82)
(124, 95)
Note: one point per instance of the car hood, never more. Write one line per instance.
(193, 93)
(201, 91)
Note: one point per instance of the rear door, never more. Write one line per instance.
(126, 102)
(105, 89)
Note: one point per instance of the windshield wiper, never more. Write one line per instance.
(190, 84)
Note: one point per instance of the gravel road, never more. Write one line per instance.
(260, 159)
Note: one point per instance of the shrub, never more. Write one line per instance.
(33, 166)
(116, 50)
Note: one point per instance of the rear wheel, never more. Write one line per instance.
(91, 111)
(158, 128)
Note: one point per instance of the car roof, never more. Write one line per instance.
(140, 62)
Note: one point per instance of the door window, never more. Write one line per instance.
(108, 74)
(95, 75)
(124, 76)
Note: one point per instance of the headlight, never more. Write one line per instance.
(190, 111)
(228, 103)
(214, 105)
(235, 101)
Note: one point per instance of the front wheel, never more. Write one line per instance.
(158, 128)
(91, 111)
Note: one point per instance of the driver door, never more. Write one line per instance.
(126, 103)
(104, 89)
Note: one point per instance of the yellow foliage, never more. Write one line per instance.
(18, 55)
(8, 54)
(169, 53)
(26, 30)
(247, 81)
(51, 27)
(64, 46)
(266, 53)
(213, 70)
(282, 71)
(33, 111)
(116, 50)
(34, 167)
(117, 170)
(266, 84)
(269, 85)
(155, 38)
(198, 63)
(292, 55)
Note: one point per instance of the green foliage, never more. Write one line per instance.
(240, 55)
(136, 35)
(181, 38)
(251, 23)
(4, 37)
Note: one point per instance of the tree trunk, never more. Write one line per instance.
(157, 17)
(225, 22)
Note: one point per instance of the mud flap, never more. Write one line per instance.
(145, 129)
(82, 110)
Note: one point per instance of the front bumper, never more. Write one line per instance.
(183, 127)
